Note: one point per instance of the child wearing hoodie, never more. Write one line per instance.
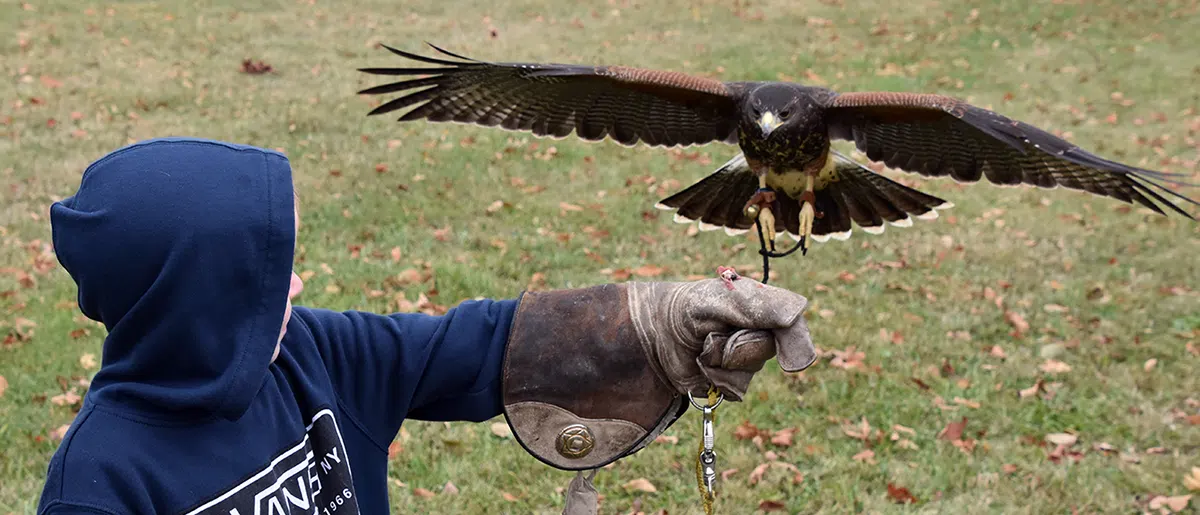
(217, 396)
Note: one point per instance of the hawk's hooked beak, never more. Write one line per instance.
(768, 122)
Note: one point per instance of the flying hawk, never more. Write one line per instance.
(786, 170)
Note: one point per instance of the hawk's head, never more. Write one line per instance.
(776, 108)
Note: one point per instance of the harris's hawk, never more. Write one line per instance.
(786, 171)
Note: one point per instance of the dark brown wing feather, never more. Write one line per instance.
(938, 136)
(660, 108)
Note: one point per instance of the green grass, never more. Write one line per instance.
(117, 73)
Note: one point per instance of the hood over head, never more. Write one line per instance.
(183, 249)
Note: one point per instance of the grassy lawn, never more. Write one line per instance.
(1024, 312)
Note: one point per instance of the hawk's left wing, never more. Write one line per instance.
(936, 135)
(629, 105)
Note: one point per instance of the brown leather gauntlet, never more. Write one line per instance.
(595, 374)
(578, 390)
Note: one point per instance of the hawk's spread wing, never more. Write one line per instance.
(627, 104)
(936, 135)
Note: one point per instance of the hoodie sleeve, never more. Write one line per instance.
(387, 368)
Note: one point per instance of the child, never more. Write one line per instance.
(216, 396)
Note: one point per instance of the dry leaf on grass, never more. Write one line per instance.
(1175, 504)
(953, 430)
(900, 495)
(867, 456)
(501, 429)
(1192, 481)
(60, 432)
(422, 493)
(756, 475)
(395, 448)
(768, 505)
(3, 385)
(641, 484)
(1053, 366)
(1066, 439)
(65, 399)
(450, 488)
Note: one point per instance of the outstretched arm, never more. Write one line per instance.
(387, 368)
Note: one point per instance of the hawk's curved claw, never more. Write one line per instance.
(807, 215)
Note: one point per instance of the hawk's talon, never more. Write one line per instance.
(762, 207)
(807, 215)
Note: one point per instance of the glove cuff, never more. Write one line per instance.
(577, 387)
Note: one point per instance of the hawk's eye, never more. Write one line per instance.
(784, 114)
(757, 112)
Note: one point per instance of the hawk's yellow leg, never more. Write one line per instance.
(807, 212)
(766, 217)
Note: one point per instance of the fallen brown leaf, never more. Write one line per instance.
(725, 474)
(768, 505)
(87, 361)
(1177, 503)
(1053, 366)
(1149, 365)
(1066, 439)
(255, 68)
(422, 493)
(756, 475)
(641, 484)
(783, 437)
(1192, 481)
(953, 430)
(65, 399)
(450, 489)
(867, 456)
(665, 439)
(900, 495)
(501, 429)
(508, 497)
(394, 449)
(1017, 322)
(1032, 390)
(60, 432)
(3, 385)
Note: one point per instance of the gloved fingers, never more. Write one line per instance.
(729, 362)
(794, 347)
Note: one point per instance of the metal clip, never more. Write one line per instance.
(708, 456)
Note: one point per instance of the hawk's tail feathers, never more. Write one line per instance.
(861, 196)
(715, 202)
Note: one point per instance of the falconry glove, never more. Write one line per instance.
(595, 374)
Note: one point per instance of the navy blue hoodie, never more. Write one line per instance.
(183, 249)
